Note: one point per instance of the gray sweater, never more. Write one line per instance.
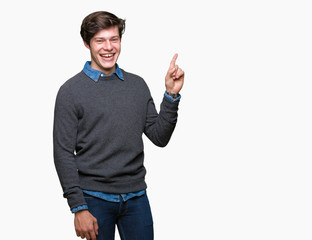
(97, 134)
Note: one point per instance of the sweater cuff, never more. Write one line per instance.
(169, 110)
(75, 197)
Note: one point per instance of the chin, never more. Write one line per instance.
(108, 67)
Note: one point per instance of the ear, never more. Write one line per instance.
(86, 44)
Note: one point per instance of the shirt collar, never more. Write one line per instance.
(95, 74)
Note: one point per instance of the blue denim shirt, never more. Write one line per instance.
(95, 75)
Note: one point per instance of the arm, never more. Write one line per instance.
(64, 141)
(159, 127)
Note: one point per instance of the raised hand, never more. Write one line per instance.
(175, 77)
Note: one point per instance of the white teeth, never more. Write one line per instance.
(106, 55)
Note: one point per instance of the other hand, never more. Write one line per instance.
(86, 225)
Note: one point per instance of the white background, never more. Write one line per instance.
(239, 163)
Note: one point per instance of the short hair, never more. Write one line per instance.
(97, 21)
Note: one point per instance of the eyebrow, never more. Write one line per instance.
(105, 38)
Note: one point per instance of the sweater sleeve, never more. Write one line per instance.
(64, 142)
(159, 127)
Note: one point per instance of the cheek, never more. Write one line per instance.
(117, 47)
(95, 48)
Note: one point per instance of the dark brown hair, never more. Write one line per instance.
(97, 21)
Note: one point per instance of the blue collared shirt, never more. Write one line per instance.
(95, 75)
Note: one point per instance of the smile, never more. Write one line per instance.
(106, 55)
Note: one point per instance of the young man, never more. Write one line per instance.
(100, 116)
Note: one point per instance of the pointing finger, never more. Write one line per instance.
(176, 67)
(170, 72)
(172, 63)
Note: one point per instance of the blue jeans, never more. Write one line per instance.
(133, 218)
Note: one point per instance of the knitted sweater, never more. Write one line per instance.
(97, 134)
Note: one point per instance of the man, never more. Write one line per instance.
(100, 116)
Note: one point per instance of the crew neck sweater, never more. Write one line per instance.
(97, 135)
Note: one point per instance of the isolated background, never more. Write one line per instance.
(239, 163)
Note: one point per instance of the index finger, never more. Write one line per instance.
(172, 63)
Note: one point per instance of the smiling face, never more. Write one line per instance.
(105, 48)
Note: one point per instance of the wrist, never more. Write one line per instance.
(79, 212)
(172, 94)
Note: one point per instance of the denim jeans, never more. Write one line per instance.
(132, 217)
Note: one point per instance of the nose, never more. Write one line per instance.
(107, 45)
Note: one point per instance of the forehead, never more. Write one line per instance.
(107, 32)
